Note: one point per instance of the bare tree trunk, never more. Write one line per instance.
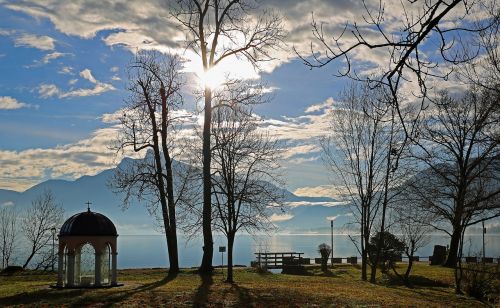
(408, 269)
(230, 245)
(451, 261)
(172, 232)
(32, 254)
(208, 243)
(364, 252)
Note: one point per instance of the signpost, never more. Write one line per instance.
(222, 250)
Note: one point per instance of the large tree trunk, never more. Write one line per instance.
(230, 245)
(451, 261)
(208, 244)
(32, 254)
(364, 254)
(173, 253)
(171, 233)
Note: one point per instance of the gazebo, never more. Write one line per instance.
(87, 251)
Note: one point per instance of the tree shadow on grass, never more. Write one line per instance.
(416, 281)
(201, 295)
(79, 297)
(40, 296)
(119, 296)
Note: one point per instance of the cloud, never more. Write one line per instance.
(48, 90)
(332, 191)
(7, 204)
(51, 90)
(66, 70)
(300, 150)
(34, 41)
(311, 203)
(114, 69)
(333, 218)
(280, 217)
(10, 103)
(47, 58)
(328, 104)
(72, 82)
(87, 74)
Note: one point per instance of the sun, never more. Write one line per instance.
(213, 78)
(229, 68)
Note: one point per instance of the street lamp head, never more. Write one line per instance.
(53, 230)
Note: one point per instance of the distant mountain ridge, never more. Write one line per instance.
(309, 214)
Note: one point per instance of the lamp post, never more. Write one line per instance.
(331, 252)
(53, 244)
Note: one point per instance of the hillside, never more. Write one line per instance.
(305, 214)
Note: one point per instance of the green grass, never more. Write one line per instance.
(342, 286)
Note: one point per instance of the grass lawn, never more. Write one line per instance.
(433, 286)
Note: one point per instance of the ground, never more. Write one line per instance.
(342, 286)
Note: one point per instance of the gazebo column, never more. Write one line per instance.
(97, 271)
(78, 261)
(60, 269)
(113, 268)
(71, 268)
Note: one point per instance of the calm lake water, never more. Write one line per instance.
(138, 251)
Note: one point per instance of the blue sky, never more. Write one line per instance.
(63, 74)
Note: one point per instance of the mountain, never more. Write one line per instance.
(304, 214)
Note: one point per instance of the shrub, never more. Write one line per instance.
(325, 251)
(482, 281)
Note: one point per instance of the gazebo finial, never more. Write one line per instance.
(88, 205)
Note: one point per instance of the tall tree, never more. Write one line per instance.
(245, 174)
(459, 144)
(216, 30)
(8, 232)
(359, 152)
(404, 41)
(36, 224)
(148, 124)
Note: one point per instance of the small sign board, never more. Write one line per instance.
(222, 248)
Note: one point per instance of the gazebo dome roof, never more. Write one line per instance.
(88, 223)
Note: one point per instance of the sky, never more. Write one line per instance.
(64, 77)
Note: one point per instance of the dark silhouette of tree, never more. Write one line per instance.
(216, 30)
(244, 170)
(36, 224)
(391, 250)
(8, 233)
(459, 146)
(423, 24)
(148, 124)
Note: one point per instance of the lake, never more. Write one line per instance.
(138, 251)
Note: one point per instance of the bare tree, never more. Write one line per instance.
(409, 220)
(245, 178)
(148, 124)
(220, 29)
(459, 146)
(484, 71)
(36, 224)
(423, 25)
(359, 152)
(8, 233)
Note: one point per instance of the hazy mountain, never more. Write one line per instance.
(308, 214)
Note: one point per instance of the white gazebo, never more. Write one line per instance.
(87, 251)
